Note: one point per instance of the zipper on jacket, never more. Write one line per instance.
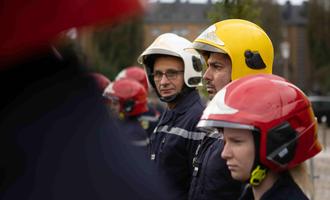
(153, 151)
(162, 144)
(195, 163)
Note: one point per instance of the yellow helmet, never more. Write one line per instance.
(248, 46)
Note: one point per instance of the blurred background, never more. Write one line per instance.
(300, 31)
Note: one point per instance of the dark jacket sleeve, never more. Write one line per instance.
(58, 142)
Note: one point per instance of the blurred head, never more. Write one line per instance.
(174, 48)
(101, 81)
(277, 115)
(136, 73)
(131, 95)
(232, 49)
(32, 25)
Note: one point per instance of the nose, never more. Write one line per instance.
(164, 79)
(226, 153)
(207, 76)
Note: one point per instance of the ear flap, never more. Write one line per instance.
(128, 105)
(281, 144)
(198, 67)
(254, 60)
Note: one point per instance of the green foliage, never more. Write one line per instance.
(114, 48)
(322, 76)
(242, 9)
(319, 34)
(319, 42)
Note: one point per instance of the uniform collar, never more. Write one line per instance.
(186, 102)
(182, 106)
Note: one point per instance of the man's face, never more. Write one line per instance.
(217, 74)
(168, 75)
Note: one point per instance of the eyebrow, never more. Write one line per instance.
(215, 62)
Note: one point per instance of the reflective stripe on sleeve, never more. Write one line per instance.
(182, 132)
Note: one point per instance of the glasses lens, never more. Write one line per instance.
(170, 74)
(158, 75)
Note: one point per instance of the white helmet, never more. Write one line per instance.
(174, 45)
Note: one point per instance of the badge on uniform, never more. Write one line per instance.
(144, 124)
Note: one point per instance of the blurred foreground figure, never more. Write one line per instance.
(57, 140)
(101, 81)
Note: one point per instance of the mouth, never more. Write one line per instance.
(166, 91)
(231, 167)
(210, 89)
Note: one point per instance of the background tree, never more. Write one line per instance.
(110, 49)
(319, 41)
(242, 9)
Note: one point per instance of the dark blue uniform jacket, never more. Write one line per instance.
(211, 177)
(174, 143)
(58, 142)
(149, 119)
(283, 189)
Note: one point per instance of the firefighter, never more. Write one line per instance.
(269, 131)
(132, 99)
(174, 73)
(150, 118)
(232, 49)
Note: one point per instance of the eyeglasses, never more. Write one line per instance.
(170, 74)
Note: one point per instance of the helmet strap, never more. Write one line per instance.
(168, 99)
(259, 171)
(176, 97)
(258, 175)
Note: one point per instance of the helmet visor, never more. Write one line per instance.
(223, 124)
(207, 47)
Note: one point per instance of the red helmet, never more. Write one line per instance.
(101, 81)
(136, 73)
(32, 24)
(131, 94)
(277, 110)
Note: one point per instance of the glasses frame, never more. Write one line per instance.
(173, 76)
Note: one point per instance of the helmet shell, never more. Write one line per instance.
(136, 73)
(131, 94)
(248, 46)
(277, 109)
(101, 81)
(174, 45)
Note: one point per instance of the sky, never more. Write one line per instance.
(294, 2)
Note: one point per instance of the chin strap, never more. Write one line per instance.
(169, 98)
(176, 97)
(258, 175)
